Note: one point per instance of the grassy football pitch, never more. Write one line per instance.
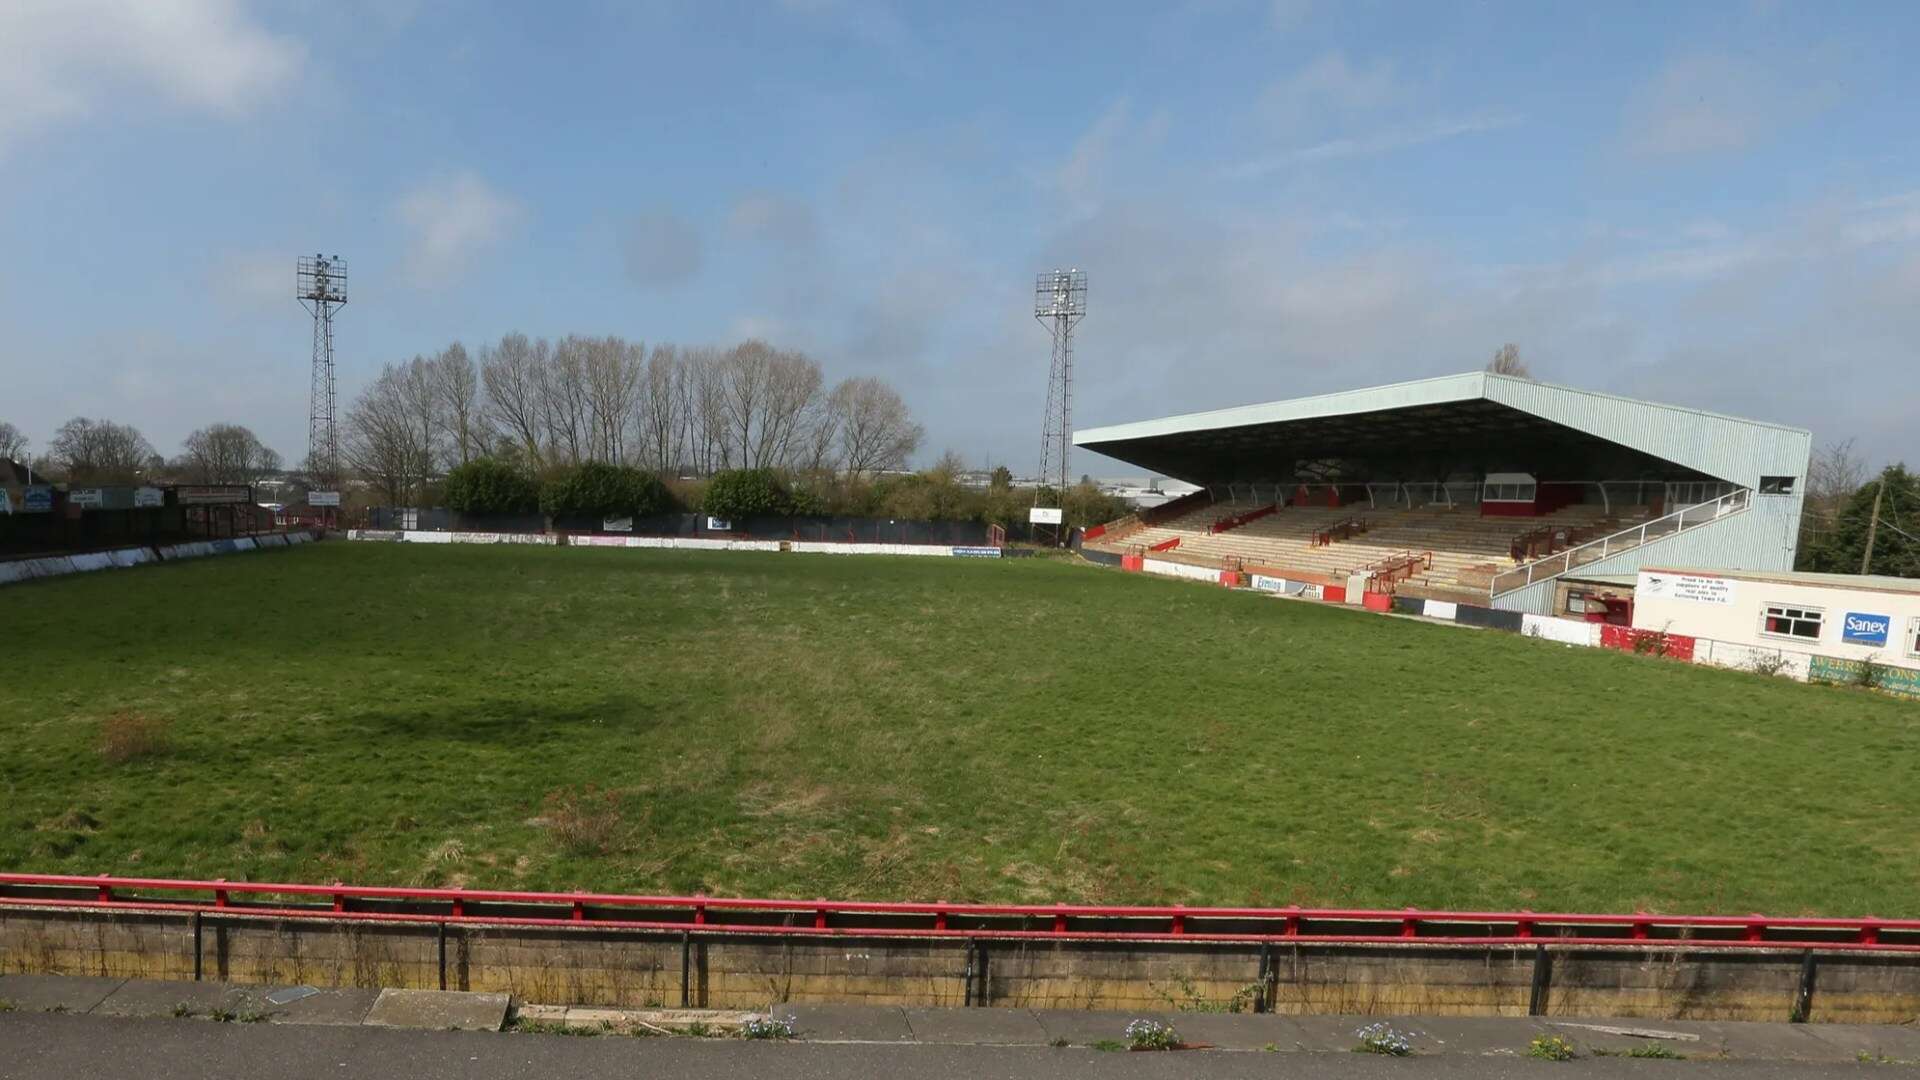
(860, 727)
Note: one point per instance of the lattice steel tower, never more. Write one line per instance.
(321, 284)
(1059, 302)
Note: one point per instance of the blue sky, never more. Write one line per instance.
(1716, 204)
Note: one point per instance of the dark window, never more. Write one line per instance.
(1793, 622)
(1776, 485)
(1577, 601)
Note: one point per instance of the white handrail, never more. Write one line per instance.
(1687, 517)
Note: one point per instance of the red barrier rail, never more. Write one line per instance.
(879, 919)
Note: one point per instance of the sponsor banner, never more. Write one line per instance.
(1312, 591)
(375, 534)
(88, 498)
(323, 498)
(1899, 681)
(1441, 609)
(36, 499)
(1693, 587)
(1269, 584)
(1862, 628)
(716, 524)
(145, 498)
(1044, 515)
(977, 552)
(1487, 617)
(602, 541)
(505, 538)
(425, 536)
(1182, 570)
(213, 495)
(617, 524)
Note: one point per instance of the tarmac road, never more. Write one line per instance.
(52, 1046)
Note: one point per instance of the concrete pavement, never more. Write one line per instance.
(39, 1046)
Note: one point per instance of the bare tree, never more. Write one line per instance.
(512, 374)
(564, 407)
(873, 426)
(100, 452)
(1834, 474)
(385, 438)
(1506, 361)
(706, 410)
(612, 370)
(13, 442)
(765, 395)
(456, 388)
(664, 410)
(225, 454)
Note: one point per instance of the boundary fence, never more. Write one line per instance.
(879, 919)
(122, 558)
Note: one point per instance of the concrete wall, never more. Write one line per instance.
(603, 966)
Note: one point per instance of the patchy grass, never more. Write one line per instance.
(805, 726)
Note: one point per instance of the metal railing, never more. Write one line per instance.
(871, 919)
(1681, 520)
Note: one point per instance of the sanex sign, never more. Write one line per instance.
(1862, 628)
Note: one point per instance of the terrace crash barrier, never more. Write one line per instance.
(708, 952)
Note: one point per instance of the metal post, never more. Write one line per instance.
(1803, 997)
(1542, 978)
(1873, 523)
(196, 946)
(686, 970)
(443, 955)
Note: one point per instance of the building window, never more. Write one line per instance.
(1776, 485)
(1577, 601)
(1792, 622)
(1913, 637)
(1508, 493)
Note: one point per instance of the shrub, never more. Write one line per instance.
(768, 1027)
(599, 490)
(584, 821)
(1550, 1048)
(746, 493)
(1381, 1038)
(490, 486)
(1151, 1035)
(126, 735)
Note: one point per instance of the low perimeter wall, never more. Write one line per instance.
(679, 543)
(62, 565)
(608, 966)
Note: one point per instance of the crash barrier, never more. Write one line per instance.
(122, 558)
(697, 951)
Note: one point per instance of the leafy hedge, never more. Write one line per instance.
(600, 490)
(747, 493)
(488, 486)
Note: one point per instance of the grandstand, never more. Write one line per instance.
(1478, 488)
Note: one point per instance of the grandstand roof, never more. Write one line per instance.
(1456, 425)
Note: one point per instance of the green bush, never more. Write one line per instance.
(489, 486)
(596, 489)
(747, 493)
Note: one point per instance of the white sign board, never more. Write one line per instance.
(617, 524)
(715, 524)
(1044, 515)
(146, 497)
(1700, 590)
(323, 498)
(86, 497)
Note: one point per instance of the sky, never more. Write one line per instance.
(1716, 205)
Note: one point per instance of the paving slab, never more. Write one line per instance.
(344, 1006)
(1876, 1042)
(1778, 1042)
(56, 993)
(168, 997)
(1328, 1033)
(849, 1023)
(988, 1026)
(439, 1010)
(1084, 1027)
(1485, 1036)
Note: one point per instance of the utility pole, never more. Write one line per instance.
(1873, 523)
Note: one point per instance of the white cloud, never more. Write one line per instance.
(1706, 103)
(253, 279)
(660, 249)
(1380, 142)
(1326, 89)
(64, 59)
(1083, 176)
(451, 221)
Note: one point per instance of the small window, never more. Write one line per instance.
(1508, 493)
(1776, 485)
(1577, 601)
(1913, 637)
(1793, 622)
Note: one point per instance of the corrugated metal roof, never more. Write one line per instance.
(1733, 449)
